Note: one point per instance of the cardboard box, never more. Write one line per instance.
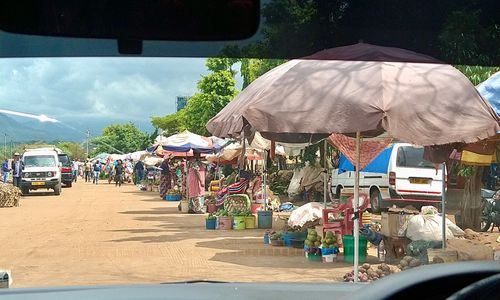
(393, 224)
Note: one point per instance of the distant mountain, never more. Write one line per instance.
(30, 130)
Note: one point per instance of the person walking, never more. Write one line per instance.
(139, 172)
(75, 167)
(17, 170)
(87, 168)
(165, 179)
(119, 173)
(5, 171)
(97, 171)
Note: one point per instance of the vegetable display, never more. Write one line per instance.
(409, 262)
(368, 273)
(330, 241)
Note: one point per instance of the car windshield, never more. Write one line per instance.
(412, 157)
(40, 161)
(227, 146)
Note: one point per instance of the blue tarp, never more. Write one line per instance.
(490, 90)
(378, 165)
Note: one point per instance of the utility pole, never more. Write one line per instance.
(88, 136)
(5, 145)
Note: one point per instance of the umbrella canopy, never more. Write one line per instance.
(490, 90)
(186, 141)
(420, 100)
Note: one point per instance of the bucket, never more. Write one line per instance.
(287, 241)
(173, 197)
(314, 257)
(250, 222)
(239, 222)
(225, 223)
(348, 241)
(184, 206)
(328, 258)
(210, 224)
(255, 207)
(265, 219)
(211, 208)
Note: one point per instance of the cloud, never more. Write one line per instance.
(98, 90)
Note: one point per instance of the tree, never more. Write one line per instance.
(123, 138)
(73, 149)
(170, 124)
(216, 90)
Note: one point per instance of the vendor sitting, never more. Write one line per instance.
(238, 187)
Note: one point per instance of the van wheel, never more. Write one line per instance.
(57, 190)
(69, 184)
(375, 199)
(338, 192)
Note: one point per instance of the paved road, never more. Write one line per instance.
(108, 235)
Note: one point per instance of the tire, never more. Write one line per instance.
(69, 184)
(375, 199)
(485, 220)
(57, 190)
(25, 191)
(338, 191)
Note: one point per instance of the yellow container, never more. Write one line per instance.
(366, 218)
(250, 222)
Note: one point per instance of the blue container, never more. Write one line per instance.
(210, 224)
(265, 219)
(287, 241)
(173, 197)
(266, 238)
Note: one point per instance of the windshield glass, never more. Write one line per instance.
(213, 160)
(40, 161)
(412, 157)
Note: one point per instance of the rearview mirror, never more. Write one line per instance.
(125, 20)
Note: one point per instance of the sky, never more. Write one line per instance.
(93, 92)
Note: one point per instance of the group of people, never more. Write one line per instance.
(116, 170)
(15, 167)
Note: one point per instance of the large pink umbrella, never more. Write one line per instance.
(361, 90)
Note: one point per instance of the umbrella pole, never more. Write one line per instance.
(356, 205)
(443, 203)
(325, 175)
(264, 180)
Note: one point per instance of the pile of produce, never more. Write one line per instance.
(409, 262)
(368, 273)
(312, 243)
(313, 240)
(9, 195)
(173, 192)
(330, 241)
(237, 202)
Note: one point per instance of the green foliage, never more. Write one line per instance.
(170, 124)
(253, 68)
(466, 171)
(215, 90)
(477, 74)
(120, 137)
(73, 149)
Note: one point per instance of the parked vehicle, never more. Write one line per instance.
(490, 209)
(398, 175)
(66, 171)
(42, 170)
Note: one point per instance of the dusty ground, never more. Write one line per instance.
(108, 235)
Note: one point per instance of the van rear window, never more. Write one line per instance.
(412, 157)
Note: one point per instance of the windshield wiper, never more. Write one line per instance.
(195, 281)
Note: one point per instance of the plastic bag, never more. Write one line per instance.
(307, 212)
(426, 228)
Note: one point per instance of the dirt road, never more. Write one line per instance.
(108, 235)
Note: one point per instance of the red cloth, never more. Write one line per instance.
(368, 152)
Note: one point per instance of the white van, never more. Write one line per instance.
(42, 170)
(399, 175)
